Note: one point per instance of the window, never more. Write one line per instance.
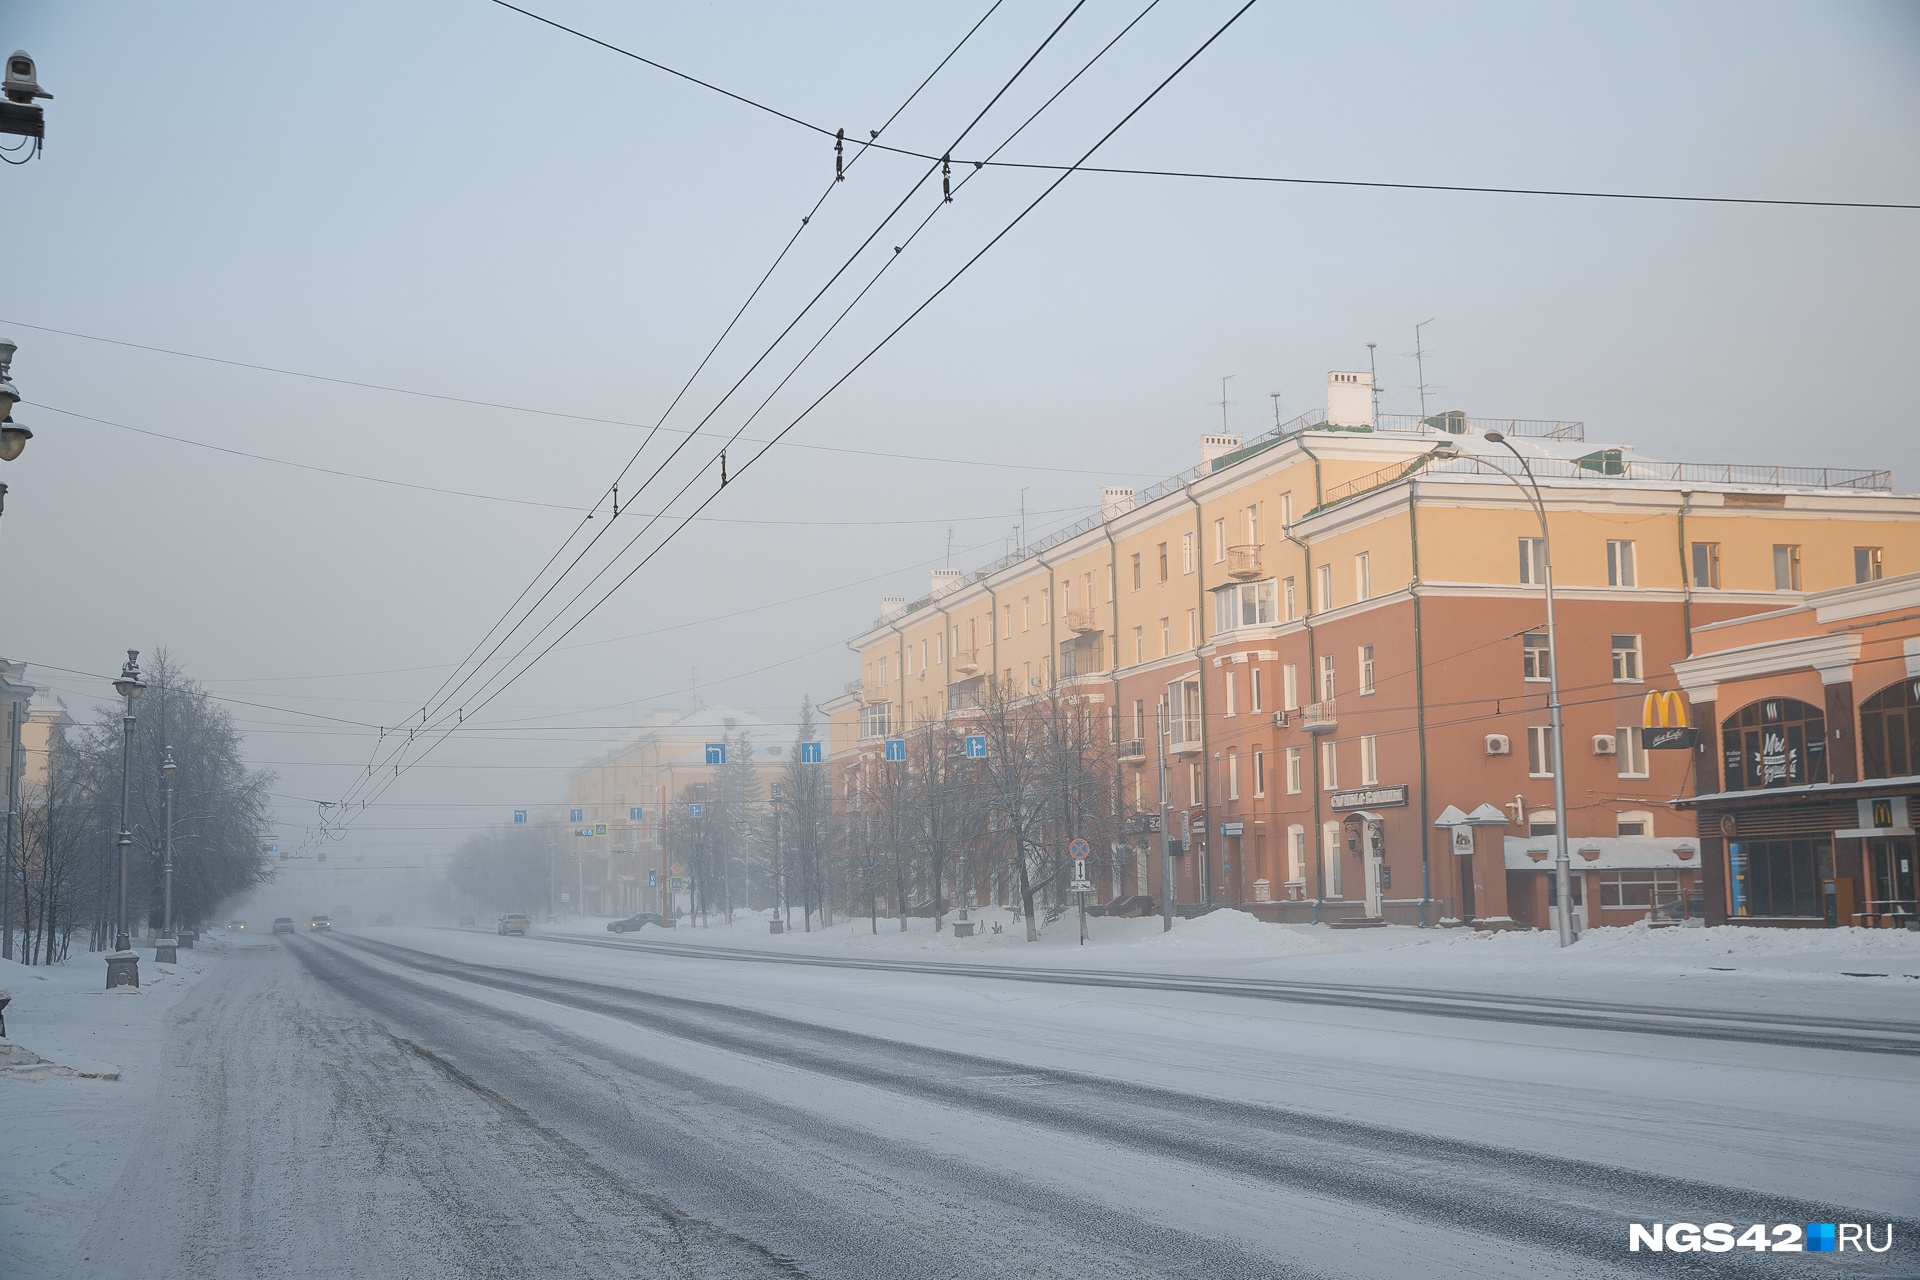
(1219, 540)
(1186, 553)
(883, 671)
(1866, 564)
(1626, 658)
(1253, 524)
(1087, 580)
(1639, 888)
(1890, 731)
(906, 659)
(1136, 571)
(1362, 578)
(1533, 561)
(1330, 858)
(1193, 628)
(1369, 761)
(1366, 669)
(1163, 562)
(1193, 783)
(1232, 688)
(1296, 855)
(1540, 751)
(1540, 823)
(1329, 767)
(1630, 751)
(1259, 774)
(1243, 604)
(1293, 771)
(1166, 636)
(1286, 510)
(1635, 822)
(1233, 775)
(1536, 661)
(1778, 877)
(940, 648)
(1286, 590)
(1324, 588)
(923, 655)
(1006, 622)
(1620, 566)
(1066, 597)
(1290, 687)
(1026, 675)
(1254, 682)
(1026, 613)
(1786, 568)
(1778, 742)
(1139, 644)
(1326, 677)
(1706, 565)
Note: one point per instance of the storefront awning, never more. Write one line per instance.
(1807, 791)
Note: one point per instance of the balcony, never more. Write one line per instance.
(1085, 657)
(1319, 717)
(966, 695)
(876, 720)
(1131, 750)
(1243, 562)
(1082, 621)
(966, 661)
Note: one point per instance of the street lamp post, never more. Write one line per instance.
(123, 965)
(13, 436)
(167, 771)
(1562, 876)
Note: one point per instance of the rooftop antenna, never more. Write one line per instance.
(1420, 360)
(1373, 369)
(1021, 544)
(1223, 402)
(948, 562)
(1275, 397)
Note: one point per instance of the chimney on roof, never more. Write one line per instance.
(1115, 500)
(945, 580)
(892, 607)
(1214, 446)
(1350, 400)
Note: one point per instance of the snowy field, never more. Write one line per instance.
(436, 1102)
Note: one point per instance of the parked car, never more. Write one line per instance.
(383, 920)
(635, 922)
(283, 924)
(320, 924)
(236, 926)
(515, 922)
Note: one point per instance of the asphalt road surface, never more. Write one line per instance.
(430, 1103)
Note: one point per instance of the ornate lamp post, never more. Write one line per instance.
(1562, 878)
(164, 950)
(123, 965)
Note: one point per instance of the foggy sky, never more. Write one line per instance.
(448, 197)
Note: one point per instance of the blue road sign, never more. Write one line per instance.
(583, 831)
(599, 828)
(896, 748)
(693, 810)
(635, 814)
(809, 753)
(716, 753)
(976, 746)
(519, 815)
(576, 815)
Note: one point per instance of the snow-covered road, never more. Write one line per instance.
(437, 1103)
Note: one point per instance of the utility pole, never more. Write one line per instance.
(13, 807)
(1166, 828)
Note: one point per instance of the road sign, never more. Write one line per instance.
(599, 828)
(1079, 850)
(693, 810)
(519, 815)
(809, 753)
(679, 870)
(636, 813)
(677, 884)
(976, 746)
(576, 815)
(896, 748)
(1080, 883)
(583, 831)
(716, 753)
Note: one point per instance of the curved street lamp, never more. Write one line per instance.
(1562, 877)
(13, 435)
(123, 965)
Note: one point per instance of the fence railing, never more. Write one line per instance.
(1681, 473)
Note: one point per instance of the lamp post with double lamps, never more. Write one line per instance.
(1562, 876)
(13, 436)
(123, 965)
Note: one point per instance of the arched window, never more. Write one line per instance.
(1777, 742)
(1890, 731)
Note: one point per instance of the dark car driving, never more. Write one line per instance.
(635, 922)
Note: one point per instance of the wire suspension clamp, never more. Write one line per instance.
(839, 148)
(723, 468)
(946, 178)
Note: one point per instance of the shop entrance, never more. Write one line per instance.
(1890, 880)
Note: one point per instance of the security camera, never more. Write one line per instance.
(21, 86)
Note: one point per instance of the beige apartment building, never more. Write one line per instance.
(1336, 631)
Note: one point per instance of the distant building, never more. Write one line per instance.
(1341, 625)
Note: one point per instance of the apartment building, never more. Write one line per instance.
(1336, 632)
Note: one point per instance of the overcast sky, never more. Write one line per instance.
(451, 198)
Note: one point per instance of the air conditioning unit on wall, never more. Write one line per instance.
(1498, 745)
(1603, 744)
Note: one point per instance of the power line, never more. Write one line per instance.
(1571, 193)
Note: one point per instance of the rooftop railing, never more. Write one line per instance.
(1679, 473)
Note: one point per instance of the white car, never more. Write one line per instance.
(515, 922)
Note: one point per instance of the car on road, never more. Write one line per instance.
(236, 926)
(515, 922)
(635, 922)
(320, 924)
(283, 924)
(383, 920)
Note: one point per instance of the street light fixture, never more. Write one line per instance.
(1562, 877)
(167, 771)
(13, 436)
(123, 965)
